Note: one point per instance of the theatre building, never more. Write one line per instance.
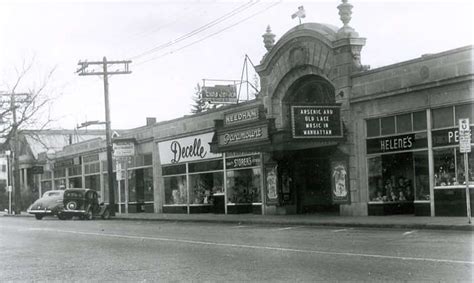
(326, 134)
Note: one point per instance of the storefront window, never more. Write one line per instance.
(422, 184)
(203, 186)
(148, 183)
(460, 167)
(391, 178)
(175, 190)
(404, 123)
(373, 127)
(465, 111)
(46, 186)
(419, 121)
(92, 182)
(388, 125)
(243, 186)
(445, 167)
(442, 117)
(75, 182)
(59, 184)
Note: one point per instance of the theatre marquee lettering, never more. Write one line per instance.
(247, 135)
(316, 121)
(241, 116)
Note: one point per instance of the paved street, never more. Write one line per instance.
(117, 250)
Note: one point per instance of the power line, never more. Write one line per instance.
(200, 29)
(210, 35)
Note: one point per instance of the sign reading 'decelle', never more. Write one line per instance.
(316, 121)
(186, 149)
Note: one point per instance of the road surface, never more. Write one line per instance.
(116, 250)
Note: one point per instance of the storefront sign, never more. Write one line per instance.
(67, 162)
(123, 149)
(316, 121)
(186, 149)
(248, 115)
(397, 143)
(246, 135)
(340, 182)
(219, 94)
(243, 162)
(37, 170)
(446, 137)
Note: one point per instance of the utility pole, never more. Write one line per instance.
(83, 71)
(17, 207)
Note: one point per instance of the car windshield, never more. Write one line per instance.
(74, 194)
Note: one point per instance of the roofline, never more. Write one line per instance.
(422, 58)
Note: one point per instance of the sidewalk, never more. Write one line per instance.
(398, 221)
(395, 221)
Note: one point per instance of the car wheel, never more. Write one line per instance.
(89, 215)
(39, 216)
(106, 214)
(63, 216)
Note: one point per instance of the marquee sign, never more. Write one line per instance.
(186, 149)
(243, 116)
(316, 121)
(247, 135)
(219, 94)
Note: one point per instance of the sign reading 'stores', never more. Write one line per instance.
(186, 149)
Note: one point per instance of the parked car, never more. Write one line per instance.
(51, 203)
(83, 203)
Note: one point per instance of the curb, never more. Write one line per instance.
(465, 227)
(417, 226)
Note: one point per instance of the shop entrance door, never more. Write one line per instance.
(312, 183)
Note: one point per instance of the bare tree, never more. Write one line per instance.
(25, 103)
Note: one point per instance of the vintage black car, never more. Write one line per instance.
(51, 203)
(83, 203)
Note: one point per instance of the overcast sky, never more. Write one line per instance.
(191, 41)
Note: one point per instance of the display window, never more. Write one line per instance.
(391, 177)
(449, 167)
(60, 183)
(176, 190)
(92, 182)
(75, 182)
(46, 185)
(243, 186)
(203, 186)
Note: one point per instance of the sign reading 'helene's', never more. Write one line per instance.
(316, 121)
